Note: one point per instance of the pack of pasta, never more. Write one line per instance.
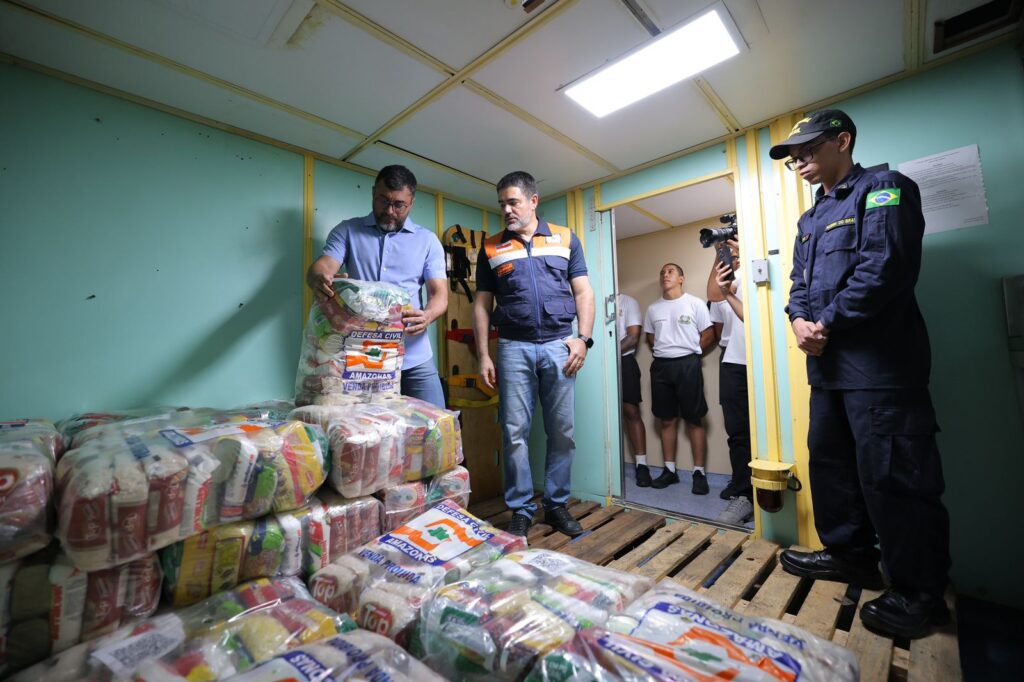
(49, 605)
(353, 343)
(29, 449)
(503, 617)
(684, 633)
(356, 655)
(385, 582)
(406, 501)
(122, 494)
(219, 637)
(288, 543)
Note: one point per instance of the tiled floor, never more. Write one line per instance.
(678, 498)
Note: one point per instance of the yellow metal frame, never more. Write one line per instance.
(442, 343)
(601, 206)
(656, 218)
(307, 232)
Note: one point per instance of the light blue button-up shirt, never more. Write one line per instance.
(408, 258)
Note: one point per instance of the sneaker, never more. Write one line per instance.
(739, 511)
(643, 476)
(561, 520)
(700, 483)
(519, 525)
(665, 479)
(730, 492)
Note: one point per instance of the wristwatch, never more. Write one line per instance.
(587, 341)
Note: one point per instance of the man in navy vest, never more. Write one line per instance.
(876, 474)
(535, 272)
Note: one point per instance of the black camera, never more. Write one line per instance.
(718, 237)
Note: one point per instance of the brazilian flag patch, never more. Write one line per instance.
(883, 197)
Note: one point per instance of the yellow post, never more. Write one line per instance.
(307, 233)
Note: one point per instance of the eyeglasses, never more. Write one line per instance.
(399, 206)
(806, 155)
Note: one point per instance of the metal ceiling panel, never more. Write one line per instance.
(455, 31)
(377, 156)
(812, 50)
(577, 42)
(251, 20)
(630, 222)
(467, 132)
(72, 53)
(329, 68)
(692, 203)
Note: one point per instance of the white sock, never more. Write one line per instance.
(700, 469)
(671, 466)
(641, 460)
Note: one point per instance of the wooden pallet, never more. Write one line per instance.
(743, 573)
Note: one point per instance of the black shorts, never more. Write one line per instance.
(677, 388)
(630, 376)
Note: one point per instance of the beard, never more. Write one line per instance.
(389, 224)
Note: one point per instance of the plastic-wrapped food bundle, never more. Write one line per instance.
(221, 636)
(353, 343)
(673, 633)
(51, 605)
(432, 437)
(28, 450)
(385, 581)
(289, 543)
(408, 500)
(501, 618)
(366, 448)
(357, 655)
(122, 495)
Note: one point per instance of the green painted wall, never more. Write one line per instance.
(144, 259)
(978, 100)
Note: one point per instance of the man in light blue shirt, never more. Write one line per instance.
(385, 246)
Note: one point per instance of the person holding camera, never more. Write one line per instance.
(875, 468)
(725, 297)
(679, 332)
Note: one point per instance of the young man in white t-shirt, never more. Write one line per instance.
(679, 331)
(629, 325)
(727, 316)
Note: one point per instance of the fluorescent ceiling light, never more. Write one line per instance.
(685, 52)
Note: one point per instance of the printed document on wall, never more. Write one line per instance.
(952, 189)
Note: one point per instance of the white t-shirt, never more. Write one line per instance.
(676, 325)
(733, 341)
(628, 316)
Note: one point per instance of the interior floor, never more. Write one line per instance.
(678, 499)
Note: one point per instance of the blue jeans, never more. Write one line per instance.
(525, 370)
(423, 382)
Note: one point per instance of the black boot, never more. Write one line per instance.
(828, 566)
(665, 479)
(643, 476)
(561, 520)
(899, 614)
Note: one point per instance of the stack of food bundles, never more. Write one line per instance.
(288, 543)
(673, 633)
(215, 639)
(353, 343)
(385, 582)
(123, 494)
(49, 605)
(356, 655)
(383, 443)
(29, 448)
(406, 501)
(499, 620)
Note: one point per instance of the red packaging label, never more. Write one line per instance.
(103, 599)
(130, 529)
(375, 619)
(87, 524)
(166, 502)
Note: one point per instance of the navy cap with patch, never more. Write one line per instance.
(815, 125)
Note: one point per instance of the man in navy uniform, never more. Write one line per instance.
(876, 474)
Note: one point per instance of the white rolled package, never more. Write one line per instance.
(356, 655)
(28, 450)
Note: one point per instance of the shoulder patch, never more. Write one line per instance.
(883, 197)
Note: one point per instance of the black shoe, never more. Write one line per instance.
(519, 525)
(665, 479)
(700, 483)
(643, 476)
(828, 566)
(561, 520)
(732, 490)
(901, 615)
